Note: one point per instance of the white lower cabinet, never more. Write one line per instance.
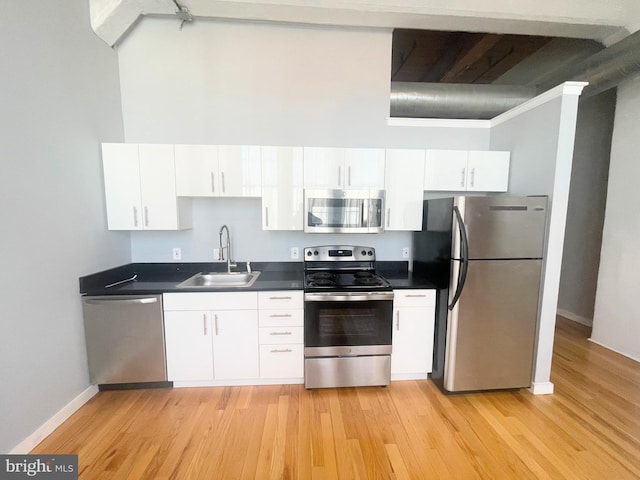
(281, 335)
(412, 337)
(211, 336)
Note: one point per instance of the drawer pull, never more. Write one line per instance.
(280, 333)
(415, 295)
(280, 315)
(279, 298)
(281, 350)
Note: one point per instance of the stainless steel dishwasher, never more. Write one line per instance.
(125, 339)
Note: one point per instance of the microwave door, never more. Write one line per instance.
(374, 220)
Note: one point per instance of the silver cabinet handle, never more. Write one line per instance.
(146, 216)
(349, 175)
(340, 176)
(473, 176)
(280, 315)
(266, 216)
(415, 295)
(398, 320)
(204, 323)
(388, 216)
(223, 184)
(135, 216)
(462, 175)
(215, 317)
(281, 350)
(280, 333)
(279, 298)
(213, 183)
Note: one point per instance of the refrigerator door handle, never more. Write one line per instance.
(464, 258)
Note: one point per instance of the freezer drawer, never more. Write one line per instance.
(125, 339)
(491, 330)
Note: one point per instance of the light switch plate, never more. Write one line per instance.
(177, 253)
(295, 253)
(405, 252)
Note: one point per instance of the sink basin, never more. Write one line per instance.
(220, 279)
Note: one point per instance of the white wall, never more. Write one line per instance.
(59, 91)
(587, 197)
(616, 321)
(541, 143)
(218, 82)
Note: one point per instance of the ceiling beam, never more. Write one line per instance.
(477, 52)
(112, 19)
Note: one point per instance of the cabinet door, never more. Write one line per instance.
(282, 192)
(235, 344)
(488, 171)
(404, 179)
(364, 168)
(158, 187)
(189, 346)
(412, 340)
(122, 186)
(197, 170)
(445, 170)
(239, 167)
(324, 167)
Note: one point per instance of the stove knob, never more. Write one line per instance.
(370, 253)
(315, 252)
(364, 252)
(309, 253)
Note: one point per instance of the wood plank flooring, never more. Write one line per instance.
(588, 429)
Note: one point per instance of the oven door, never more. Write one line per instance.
(347, 324)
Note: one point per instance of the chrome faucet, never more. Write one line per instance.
(230, 263)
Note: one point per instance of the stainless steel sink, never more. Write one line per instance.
(220, 280)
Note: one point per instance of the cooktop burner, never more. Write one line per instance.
(342, 268)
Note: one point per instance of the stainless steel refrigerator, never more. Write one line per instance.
(486, 253)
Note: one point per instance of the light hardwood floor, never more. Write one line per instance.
(588, 429)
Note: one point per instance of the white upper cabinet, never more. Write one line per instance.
(488, 171)
(197, 170)
(404, 174)
(140, 188)
(282, 188)
(239, 167)
(343, 168)
(462, 170)
(218, 170)
(364, 168)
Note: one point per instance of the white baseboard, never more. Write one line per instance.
(624, 354)
(541, 388)
(575, 318)
(54, 422)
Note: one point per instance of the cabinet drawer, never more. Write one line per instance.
(274, 335)
(211, 301)
(414, 298)
(281, 318)
(281, 361)
(280, 299)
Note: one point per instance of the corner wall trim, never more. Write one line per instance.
(541, 388)
(54, 422)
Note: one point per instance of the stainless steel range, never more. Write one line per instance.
(348, 312)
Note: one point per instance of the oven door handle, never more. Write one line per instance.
(347, 296)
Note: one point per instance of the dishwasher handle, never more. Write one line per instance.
(121, 301)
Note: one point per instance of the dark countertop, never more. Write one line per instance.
(154, 278)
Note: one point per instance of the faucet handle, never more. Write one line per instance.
(248, 267)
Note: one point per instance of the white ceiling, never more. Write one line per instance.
(604, 21)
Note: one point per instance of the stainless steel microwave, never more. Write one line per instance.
(344, 211)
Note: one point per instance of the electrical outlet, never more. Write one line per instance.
(177, 253)
(405, 252)
(295, 254)
(216, 254)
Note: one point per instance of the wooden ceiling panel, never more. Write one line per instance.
(457, 57)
